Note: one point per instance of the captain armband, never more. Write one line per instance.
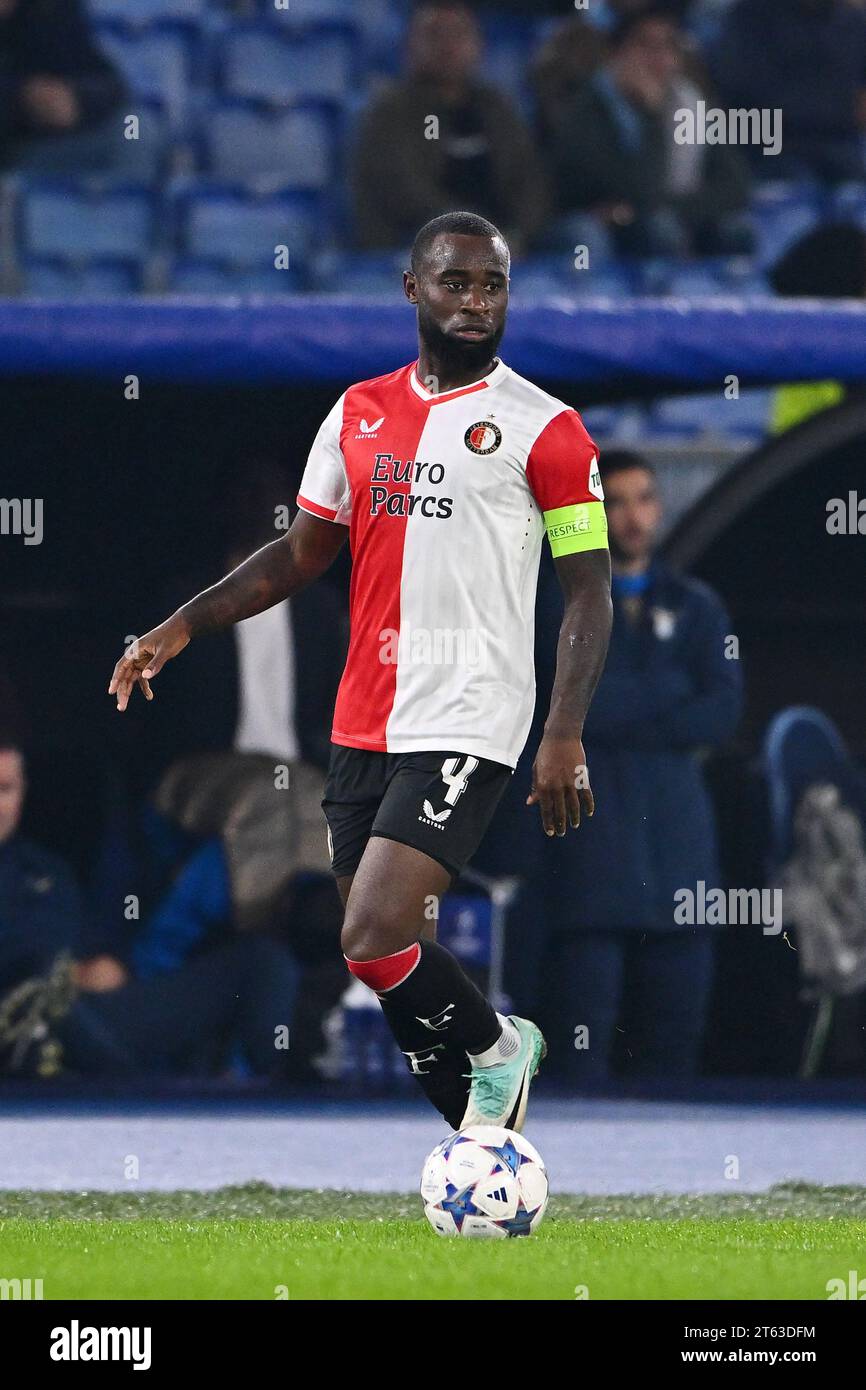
(581, 526)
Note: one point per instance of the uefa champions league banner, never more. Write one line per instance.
(602, 343)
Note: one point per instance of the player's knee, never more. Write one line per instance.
(370, 932)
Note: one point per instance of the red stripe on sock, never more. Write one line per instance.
(388, 971)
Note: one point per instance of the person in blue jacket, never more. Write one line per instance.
(194, 992)
(41, 910)
(624, 970)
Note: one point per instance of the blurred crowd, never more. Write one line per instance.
(583, 145)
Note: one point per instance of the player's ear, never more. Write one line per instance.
(410, 286)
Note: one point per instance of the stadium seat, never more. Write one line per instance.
(847, 203)
(227, 222)
(155, 61)
(247, 139)
(713, 416)
(262, 62)
(301, 16)
(378, 26)
(801, 747)
(782, 213)
(190, 275)
(60, 279)
(360, 273)
(617, 424)
(697, 282)
(600, 420)
(145, 11)
(76, 220)
(714, 277)
(540, 277)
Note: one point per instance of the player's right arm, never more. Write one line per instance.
(278, 571)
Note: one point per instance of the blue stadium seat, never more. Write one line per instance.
(268, 64)
(85, 219)
(600, 420)
(782, 213)
(847, 203)
(60, 279)
(190, 275)
(712, 416)
(155, 61)
(617, 424)
(246, 140)
(301, 16)
(227, 222)
(362, 273)
(802, 747)
(540, 277)
(699, 281)
(712, 277)
(143, 11)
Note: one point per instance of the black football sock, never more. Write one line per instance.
(439, 995)
(436, 1014)
(440, 1068)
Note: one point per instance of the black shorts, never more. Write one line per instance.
(439, 803)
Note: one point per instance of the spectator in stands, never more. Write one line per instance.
(561, 67)
(59, 95)
(198, 995)
(620, 960)
(443, 137)
(622, 181)
(808, 59)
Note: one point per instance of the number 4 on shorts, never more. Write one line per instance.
(455, 777)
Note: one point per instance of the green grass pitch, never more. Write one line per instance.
(258, 1242)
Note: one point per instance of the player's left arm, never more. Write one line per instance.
(560, 782)
(563, 475)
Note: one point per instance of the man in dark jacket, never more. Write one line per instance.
(58, 92)
(442, 137)
(615, 158)
(672, 686)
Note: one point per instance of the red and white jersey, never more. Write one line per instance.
(447, 498)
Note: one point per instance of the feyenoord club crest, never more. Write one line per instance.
(483, 438)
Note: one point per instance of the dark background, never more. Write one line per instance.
(134, 496)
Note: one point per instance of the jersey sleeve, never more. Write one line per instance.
(562, 472)
(324, 489)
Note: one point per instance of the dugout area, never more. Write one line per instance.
(135, 477)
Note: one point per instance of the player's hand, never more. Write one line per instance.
(145, 657)
(560, 784)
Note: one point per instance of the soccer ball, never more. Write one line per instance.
(484, 1182)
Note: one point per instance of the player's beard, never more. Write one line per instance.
(454, 355)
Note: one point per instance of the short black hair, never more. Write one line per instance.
(621, 460)
(454, 224)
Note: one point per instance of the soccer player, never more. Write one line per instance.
(445, 476)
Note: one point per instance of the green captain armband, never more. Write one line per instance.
(582, 526)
